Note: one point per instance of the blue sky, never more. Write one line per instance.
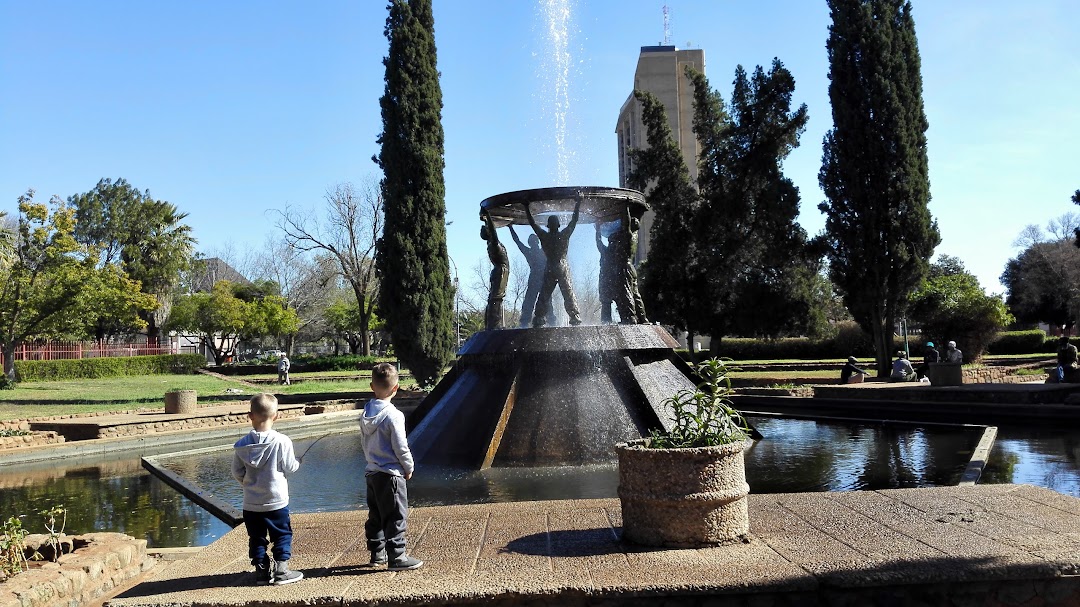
(227, 109)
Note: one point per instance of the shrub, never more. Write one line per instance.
(1021, 342)
(12, 548)
(347, 362)
(90, 368)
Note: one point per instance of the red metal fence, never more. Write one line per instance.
(59, 350)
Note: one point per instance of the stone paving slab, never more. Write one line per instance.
(984, 543)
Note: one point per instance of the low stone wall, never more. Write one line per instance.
(35, 439)
(100, 563)
(190, 423)
(997, 375)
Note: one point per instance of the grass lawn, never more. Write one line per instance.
(35, 399)
(40, 399)
(781, 375)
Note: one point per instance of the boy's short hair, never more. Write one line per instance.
(263, 406)
(384, 376)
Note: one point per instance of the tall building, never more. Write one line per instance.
(661, 70)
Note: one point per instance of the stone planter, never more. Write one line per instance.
(181, 401)
(683, 498)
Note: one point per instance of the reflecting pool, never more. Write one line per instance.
(796, 456)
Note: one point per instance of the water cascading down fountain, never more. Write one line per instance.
(547, 395)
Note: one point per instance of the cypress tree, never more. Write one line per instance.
(878, 229)
(416, 294)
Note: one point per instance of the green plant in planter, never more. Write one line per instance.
(703, 417)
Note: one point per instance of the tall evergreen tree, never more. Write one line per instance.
(759, 265)
(416, 297)
(878, 229)
(670, 277)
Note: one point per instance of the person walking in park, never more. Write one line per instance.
(283, 366)
(500, 272)
(261, 461)
(952, 354)
(534, 256)
(389, 465)
(555, 244)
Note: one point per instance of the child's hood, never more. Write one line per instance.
(256, 448)
(375, 411)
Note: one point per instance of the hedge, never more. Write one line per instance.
(347, 362)
(90, 368)
(851, 341)
(1022, 342)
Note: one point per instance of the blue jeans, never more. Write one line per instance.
(277, 526)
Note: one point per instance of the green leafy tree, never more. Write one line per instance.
(878, 230)
(671, 277)
(951, 305)
(142, 236)
(1043, 281)
(344, 320)
(416, 295)
(754, 253)
(1076, 231)
(51, 284)
(222, 318)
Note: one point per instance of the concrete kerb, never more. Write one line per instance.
(973, 471)
(299, 427)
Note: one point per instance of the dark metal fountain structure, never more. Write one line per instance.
(551, 396)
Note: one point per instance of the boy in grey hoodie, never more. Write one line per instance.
(389, 465)
(262, 460)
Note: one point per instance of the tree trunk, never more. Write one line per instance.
(290, 341)
(365, 321)
(153, 331)
(218, 353)
(691, 347)
(881, 341)
(9, 360)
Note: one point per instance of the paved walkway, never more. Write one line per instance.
(996, 544)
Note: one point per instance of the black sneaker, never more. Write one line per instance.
(378, 558)
(405, 563)
(262, 573)
(282, 574)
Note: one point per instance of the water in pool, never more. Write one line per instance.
(798, 455)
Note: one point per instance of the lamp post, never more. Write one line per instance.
(457, 298)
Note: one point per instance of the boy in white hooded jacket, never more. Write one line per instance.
(389, 465)
(262, 460)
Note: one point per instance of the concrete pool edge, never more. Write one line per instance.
(298, 427)
(865, 547)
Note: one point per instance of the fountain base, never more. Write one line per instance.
(549, 397)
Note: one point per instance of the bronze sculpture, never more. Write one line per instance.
(555, 244)
(500, 272)
(537, 261)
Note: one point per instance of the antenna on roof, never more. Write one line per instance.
(667, 26)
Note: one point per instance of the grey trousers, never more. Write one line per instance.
(388, 511)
